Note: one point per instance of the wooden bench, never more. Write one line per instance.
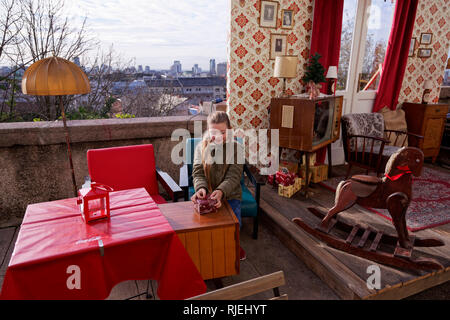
(248, 288)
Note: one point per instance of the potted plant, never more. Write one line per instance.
(314, 75)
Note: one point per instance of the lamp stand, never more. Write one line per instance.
(69, 151)
(283, 94)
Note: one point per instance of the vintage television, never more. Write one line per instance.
(306, 124)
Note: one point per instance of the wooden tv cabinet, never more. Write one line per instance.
(294, 117)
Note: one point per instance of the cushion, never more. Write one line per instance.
(248, 203)
(191, 144)
(367, 124)
(126, 167)
(395, 120)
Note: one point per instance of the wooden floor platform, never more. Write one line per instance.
(347, 274)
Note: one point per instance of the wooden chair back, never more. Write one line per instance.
(248, 288)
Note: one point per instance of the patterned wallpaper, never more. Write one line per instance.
(432, 16)
(250, 82)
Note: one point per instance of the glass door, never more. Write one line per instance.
(365, 33)
(375, 31)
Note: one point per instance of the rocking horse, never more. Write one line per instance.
(392, 192)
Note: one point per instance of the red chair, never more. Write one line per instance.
(131, 167)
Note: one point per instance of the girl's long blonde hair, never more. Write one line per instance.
(214, 118)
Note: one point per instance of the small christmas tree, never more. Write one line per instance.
(314, 70)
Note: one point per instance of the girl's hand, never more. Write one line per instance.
(217, 195)
(201, 194)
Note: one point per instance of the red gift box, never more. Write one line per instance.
(285, 179)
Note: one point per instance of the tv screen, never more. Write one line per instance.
(323, 122)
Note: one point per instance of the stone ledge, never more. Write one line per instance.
(52, 132)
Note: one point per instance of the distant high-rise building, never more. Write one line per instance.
(147, 69)
(195, 69)
(212, 66)
(222, 69)
(176, 67)
(140, 69)
(76, 60)
(130, 70)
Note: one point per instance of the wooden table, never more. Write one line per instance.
(57, 255)
(212, 240)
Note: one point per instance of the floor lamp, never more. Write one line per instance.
(56, 76)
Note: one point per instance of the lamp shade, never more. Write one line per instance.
(285, 67)
(428, 84)
(332, 73)
(54, 76)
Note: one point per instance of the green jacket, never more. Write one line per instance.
(229, 182)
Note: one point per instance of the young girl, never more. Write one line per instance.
(214, 171)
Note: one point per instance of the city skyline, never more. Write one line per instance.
(156, 34)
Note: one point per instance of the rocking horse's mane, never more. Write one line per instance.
(338, 191)
(390, 164)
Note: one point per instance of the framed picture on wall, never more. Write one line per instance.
(268, 14)
(277, 45)
(425, 38)
(412, 46)
(287, 19)
(424, 52)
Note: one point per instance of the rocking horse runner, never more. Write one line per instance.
(392, 192)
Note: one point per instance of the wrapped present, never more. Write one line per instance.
(317, 173)
(288, 166)
(203, 206)
(286, 191)
(290, 190)
(285, 179)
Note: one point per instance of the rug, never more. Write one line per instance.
(430, 206)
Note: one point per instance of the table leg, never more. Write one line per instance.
(306, 174)
(330, 165)
(218, 283)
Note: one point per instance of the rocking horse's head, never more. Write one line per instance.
(405, 160)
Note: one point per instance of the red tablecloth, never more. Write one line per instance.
(138, 243)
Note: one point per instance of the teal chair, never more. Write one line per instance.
(249, 204)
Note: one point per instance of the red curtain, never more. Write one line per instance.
(326, 41)
(396, 55)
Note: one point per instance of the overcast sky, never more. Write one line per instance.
(156, 32)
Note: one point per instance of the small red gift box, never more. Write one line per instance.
(285, 178)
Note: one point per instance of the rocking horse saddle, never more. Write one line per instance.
(363, 186)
